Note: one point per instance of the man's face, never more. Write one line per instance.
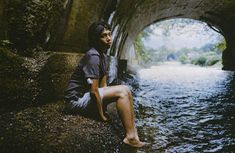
(105, 39)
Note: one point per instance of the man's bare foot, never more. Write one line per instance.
(133, 142)
(136, 134)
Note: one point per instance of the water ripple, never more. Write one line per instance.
(186, 109)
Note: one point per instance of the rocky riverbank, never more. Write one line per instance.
(31, 112)
(47, 129)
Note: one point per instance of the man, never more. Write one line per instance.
(88, 93)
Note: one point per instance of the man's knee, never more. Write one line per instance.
(127, 89)
(124, 91)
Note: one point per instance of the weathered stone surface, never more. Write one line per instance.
(27, 81)
(16, 80)
(56, 25)
(31, 23)
(228, 58)
(82, 14)
(2, 19)
(54, 76)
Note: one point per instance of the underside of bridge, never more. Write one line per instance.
(131, 17)
(62, 25)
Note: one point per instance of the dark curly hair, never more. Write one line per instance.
(95, 31)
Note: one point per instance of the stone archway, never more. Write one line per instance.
(131, 17)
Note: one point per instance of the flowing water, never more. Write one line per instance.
(186, 109)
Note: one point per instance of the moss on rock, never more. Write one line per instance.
(30, 22)
(36, 80)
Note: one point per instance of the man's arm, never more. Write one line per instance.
(103, 82)
(95, 93)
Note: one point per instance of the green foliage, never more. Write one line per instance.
(142, 53)
(206, 59)
(207, 55)
(183, 58)
(197, 56)
(212, 62)
(220, 46)
(201, 60)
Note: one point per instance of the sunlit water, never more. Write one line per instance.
(186, 109)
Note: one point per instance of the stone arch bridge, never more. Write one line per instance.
(29, 76)
(129, 17)
(61, 25)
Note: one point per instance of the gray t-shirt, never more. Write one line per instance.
(93, 65)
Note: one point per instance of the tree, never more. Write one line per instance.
(196, 55)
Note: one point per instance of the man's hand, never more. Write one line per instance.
(104, 118)
(95, 97)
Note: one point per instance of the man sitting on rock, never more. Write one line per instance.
(87, 93)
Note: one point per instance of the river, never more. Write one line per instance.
(182, 108)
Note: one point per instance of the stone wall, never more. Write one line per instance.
(59, 25)
(30, 81)
(82, 14)
(3, 4)
(29, 75)
(228, 57)
(31, 23)
(39, 79)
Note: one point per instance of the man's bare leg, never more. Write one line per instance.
(132, 105)
(126, 112)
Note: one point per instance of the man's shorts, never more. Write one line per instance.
(84, 105)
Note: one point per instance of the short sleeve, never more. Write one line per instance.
(91, 67)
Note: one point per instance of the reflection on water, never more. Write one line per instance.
(186, 109)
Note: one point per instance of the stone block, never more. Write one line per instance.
(54, 76)
(30, 81)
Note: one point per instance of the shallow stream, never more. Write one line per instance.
(186, 109)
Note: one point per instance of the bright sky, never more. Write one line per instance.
(189, 36)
